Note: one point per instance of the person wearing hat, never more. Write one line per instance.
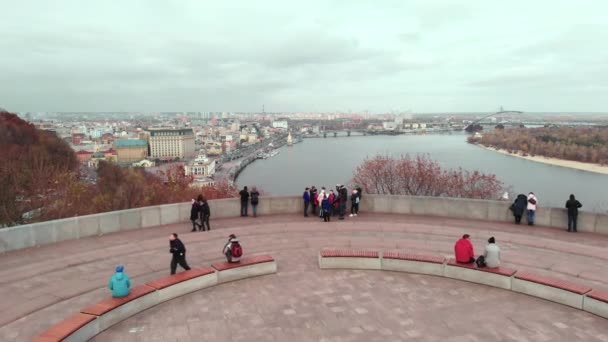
(119, 283)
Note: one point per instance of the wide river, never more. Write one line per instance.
(329, 161)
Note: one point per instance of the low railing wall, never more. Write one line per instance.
(30, 235)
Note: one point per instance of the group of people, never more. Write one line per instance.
(330, 203)
(530, 204)
(465, 254)
(246, 198)
(120, 283)
(200, 212)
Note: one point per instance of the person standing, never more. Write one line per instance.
(178, 250)
(194, 214)
(244, 201)
(518, 207)
(205, 214)
(532, 205)
(306, 198)
(572, 205)
(343, 199)
(313, 200)
(463, 250)
(360, 194)
(331, 198)
(255, 199)
(354, 203)
(119, 283)
(320, 196)
(326, 208)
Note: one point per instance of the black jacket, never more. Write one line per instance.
(244, 195)
(520, 204)
(255, 197)
(205, 210)
(572, 206)
(194, 211)
(176, 247)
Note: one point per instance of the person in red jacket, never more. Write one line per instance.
(463, 249)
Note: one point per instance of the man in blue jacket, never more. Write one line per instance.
(119, 283)
(306, 197)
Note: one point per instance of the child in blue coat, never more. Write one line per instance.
(119, 283)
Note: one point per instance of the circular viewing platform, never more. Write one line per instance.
(44, 285)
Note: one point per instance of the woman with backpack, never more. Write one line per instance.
(233, 250)
(255, 199)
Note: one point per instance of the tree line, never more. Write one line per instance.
(584, 144)
(422, 176)
(40, 180)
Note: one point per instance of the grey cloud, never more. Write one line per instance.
(428, 56)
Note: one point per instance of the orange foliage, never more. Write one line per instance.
(421, 176)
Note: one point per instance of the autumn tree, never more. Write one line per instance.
(33, 165)
(422, 176)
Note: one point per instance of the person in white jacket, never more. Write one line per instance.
(532, 205)
(492, 253)
(320, 197)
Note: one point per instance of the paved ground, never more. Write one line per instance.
(41, 286)
(319, 305)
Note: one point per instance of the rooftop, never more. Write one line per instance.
(130, 143)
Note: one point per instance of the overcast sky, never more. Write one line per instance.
(427, 56)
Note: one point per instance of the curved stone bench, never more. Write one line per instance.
(98, 317)
(575, 295)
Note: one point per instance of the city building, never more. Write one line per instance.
(201, 167)
(170, 143)
(131, 150)
(280, 123)
(213, 148)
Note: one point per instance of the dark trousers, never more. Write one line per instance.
(354, 209)
(254, 209)
(517, 219)
(326, 216)
(306, 205)
(179, 259)
(572, 222)
(342, 210)
(195, 224)
(244, 208)
(313, 209)
(205, 220)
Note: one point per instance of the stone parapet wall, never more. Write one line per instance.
(30, 235)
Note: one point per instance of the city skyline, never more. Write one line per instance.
(430, 57)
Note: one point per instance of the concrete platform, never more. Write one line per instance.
(41, 286)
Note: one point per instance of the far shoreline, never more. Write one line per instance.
(571, 164)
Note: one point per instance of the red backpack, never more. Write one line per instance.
(237, 250)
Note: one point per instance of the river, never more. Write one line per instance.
(329, 161)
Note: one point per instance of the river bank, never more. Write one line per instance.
(595, 168)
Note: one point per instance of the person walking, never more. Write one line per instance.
(178, 250)
(326, 208)
(255, 199)
(205, 214)
(572, 205)
(119, 283)
(194, 214)
(518, 207)
(232, 249)
(532, 205)
(306, 198)
(244, 201)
